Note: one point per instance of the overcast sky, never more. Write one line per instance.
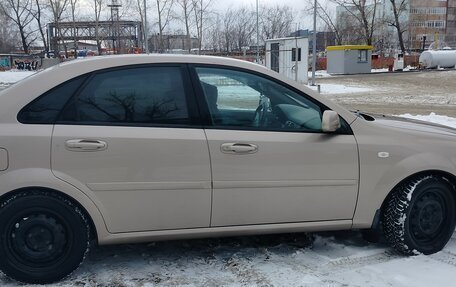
(302, 21)
(298, 4)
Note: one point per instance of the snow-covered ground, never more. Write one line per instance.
(9, 77)
(324, 73)
(319, 74)
(333, 89)
(333, 259)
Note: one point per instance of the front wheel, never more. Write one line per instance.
(43, 237)
(420, 216)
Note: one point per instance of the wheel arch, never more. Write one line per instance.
(377, 219)
(447, 176)
(93, 226)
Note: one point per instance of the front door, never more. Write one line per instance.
(127, 137)
(271, 162)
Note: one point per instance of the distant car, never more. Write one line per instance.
(82, 53)
(124, 149)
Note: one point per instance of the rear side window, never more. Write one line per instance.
(141, 95)
(46, 108)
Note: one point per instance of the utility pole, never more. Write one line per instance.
(314, 52)
(258, 31)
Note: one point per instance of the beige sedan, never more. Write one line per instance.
(140, 148)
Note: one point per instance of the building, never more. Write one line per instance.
(80, 46)
(450, 33)
(428, 22)
(324, 39)
(349, 59)
(425, 22)
(384, 36)
(289, 57)
(170, 43)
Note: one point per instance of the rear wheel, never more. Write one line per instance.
(43, 237)
(420, 216)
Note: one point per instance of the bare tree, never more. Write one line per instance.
(328, 17)
(364, 13)
(8, 33)
(399, 7)
(141, 10)
(20, 13)
(201, 11)
(38, 13)
(73, 5)
(164, 8)
(216, 42)
(97, 5)
(228, 30)
(244, 27)
(58, 7)
(276, 21)
(186, 13)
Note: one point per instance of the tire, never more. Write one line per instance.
(43, 237)
(420, 216)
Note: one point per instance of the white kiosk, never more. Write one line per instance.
(289, 57)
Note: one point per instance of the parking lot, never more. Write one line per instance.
(399, 93)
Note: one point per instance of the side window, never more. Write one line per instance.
(244, 100)
(142, 95)
(362, 56)
(46, 108)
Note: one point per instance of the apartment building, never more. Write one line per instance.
(427, 22)
(450, 36)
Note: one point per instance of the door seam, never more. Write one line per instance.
(212, 177)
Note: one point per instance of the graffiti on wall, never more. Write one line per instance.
(26, 64)
(4, 63)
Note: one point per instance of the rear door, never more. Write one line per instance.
(129, 136)
(271, 162)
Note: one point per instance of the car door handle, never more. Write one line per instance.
(239, 148)
(85, 145)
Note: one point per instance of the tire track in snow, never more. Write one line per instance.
(246, 273)
(345, 263)
(444, 257)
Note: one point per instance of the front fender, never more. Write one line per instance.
(375, 186)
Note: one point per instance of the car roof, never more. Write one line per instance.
(101, 62)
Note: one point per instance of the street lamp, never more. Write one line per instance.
(314, 44)
(146, 42)
(258, 32)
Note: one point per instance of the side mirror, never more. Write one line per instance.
(330, 122)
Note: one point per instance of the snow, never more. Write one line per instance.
(340, 89)
(438, 119)
(383, 70)
(319, 74)
(9, 77)
(331, 259)
(324, 73)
